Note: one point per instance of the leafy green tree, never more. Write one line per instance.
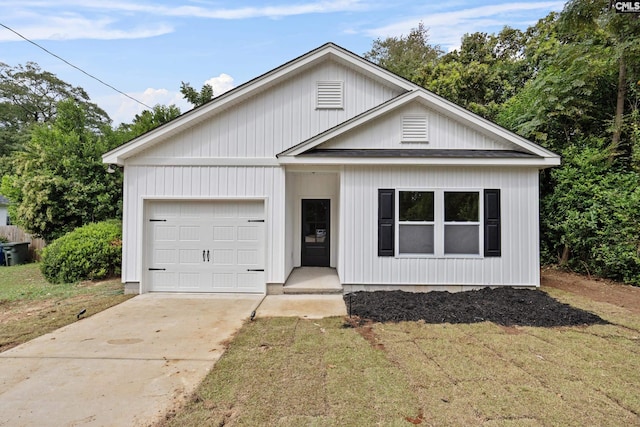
(407, 55)
(29, 95)
(581, 20)
(194, 97)
(486, 71)
(146, 121)
(582, 101)
(59, 182)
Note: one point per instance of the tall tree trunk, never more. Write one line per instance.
(622, 93)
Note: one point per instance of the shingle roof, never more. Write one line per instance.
(434, 153)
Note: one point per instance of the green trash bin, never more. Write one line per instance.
(16, 253)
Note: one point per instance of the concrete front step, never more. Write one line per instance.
(311, 281)
(292, 290)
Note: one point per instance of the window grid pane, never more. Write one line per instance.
(416, 239)
(416, 206)
(461, 206)
(462, 239)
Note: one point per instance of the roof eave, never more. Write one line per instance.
(538, 162)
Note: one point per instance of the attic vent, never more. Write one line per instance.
(415, 128)
(329, 94)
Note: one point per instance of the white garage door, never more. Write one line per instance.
(205, 246)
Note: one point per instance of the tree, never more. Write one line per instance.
(407, 55)
(194, 97)
(580, 20)
(59, 181)
(29, 95)
(483, 73)
(146, 121)
(590, 217)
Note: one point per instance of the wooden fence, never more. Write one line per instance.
(14, 234)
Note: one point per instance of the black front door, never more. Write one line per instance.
(315, 232)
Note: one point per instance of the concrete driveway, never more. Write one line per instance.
(125, 366)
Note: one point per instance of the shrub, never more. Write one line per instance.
(4, 239)
(91, 252)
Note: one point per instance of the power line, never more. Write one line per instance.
(77, 68)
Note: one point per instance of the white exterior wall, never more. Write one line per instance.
(443, 132)
(518, 265)
(202, 183)
(276, 119)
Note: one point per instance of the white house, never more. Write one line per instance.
(329, 160)
(4, 215)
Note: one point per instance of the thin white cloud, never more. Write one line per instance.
(76, 27)
(77, 19)
(446, 28)
(267, 11)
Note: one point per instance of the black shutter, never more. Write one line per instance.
(386, 222)
(492, 238)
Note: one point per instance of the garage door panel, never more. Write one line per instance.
(193, 257)
(248, 257)
(224, 233)
(246, 281)
(249, 233)
(206, 246)
(190, 233)
(223, 282)
(163, 280)
(166, 233)
(164, 256)
(189, 281)
(223, 257)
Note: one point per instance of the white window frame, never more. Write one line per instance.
(415, 223)
(439, 223)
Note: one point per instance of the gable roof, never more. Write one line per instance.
(242, 92)
(535, 153)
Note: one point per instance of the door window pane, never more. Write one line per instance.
(416, 239)
(415, 206)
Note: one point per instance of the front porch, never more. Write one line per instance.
(310, 281)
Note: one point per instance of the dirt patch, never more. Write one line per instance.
(503, 306)
(601, 290)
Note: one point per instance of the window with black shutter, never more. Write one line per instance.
(386, 222)
(492, 235)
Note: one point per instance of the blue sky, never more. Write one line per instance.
(145, 48)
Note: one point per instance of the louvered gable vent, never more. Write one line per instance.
(329, 94)
(415, 128)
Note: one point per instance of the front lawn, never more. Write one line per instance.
(294, 372)
(30, 306)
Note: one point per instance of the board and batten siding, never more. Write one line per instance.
(202, 183)
(443, 133)
(518, 265)
(276, 119)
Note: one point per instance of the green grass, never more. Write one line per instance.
(25, 282)
(294, 372)
(30, 306)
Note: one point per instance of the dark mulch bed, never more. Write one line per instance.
(504, 306)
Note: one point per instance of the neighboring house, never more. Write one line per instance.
(330, 160)
(4, 214)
